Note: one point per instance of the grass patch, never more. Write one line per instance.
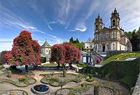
(81, 65)
(1, 67)
(49, 65)
(121, 57)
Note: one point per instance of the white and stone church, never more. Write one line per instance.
(46, 50)
(110, 39)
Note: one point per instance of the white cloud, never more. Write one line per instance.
(82, 29)
(80, 26)
(10, 19)
(6, 46)
(93, 7)
(4, 39)
(50, 27)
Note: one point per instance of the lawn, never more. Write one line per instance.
(121, 57)
(49, 65)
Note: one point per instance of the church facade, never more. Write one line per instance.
(110, 39)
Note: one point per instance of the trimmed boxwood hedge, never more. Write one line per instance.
(16, 84)
(117, 70)
(90, 79)
(53, 81)
(1, 67)
(129, 81)
(84, 87)
(25, 93)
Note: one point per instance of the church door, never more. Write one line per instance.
(103, 47)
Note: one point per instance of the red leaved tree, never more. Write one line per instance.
(72, 54)
(25, 51)
(67, 53)
(58, 54)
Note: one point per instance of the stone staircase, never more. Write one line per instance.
(102, 54)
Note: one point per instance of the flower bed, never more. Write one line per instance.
(75, 91)
(53, 79)
(15, 92)
(19, 82)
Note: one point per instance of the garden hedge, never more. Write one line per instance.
(117, 70)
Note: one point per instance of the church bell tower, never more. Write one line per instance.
(98, 24)
(115, 19)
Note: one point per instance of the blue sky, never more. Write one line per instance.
(58, 20)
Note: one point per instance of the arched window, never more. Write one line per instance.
(113, 22)
(96, 27)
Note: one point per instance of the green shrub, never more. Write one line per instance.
(115, 70)
(43, 59)
(77, 80)
(22, 79)
(9, 74)
(71, 93)
(55, 79)
(90, 79)
(90, 76)
(132, 89)
(129, 81)
(1, 67)
(125, 71)
(81, 65)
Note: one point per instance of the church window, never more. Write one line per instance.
(104, 36)
(114, 35)
(96, 27)
(46, 50)
(114, 46)
(113, 22)
(107, 36)
(107, 46)
(90, 46)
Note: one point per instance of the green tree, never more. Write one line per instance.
(134, 37)
(2, 57)
(71, 40)
(77, 41)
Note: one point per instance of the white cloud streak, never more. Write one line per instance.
(5, 46)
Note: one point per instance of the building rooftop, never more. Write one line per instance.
(46, 44)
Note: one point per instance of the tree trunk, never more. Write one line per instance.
(64, 67)
(58, 66)
(70, 65)
(26, 68)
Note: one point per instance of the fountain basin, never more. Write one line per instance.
(40, 89)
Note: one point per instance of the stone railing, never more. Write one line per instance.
(137, 87)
